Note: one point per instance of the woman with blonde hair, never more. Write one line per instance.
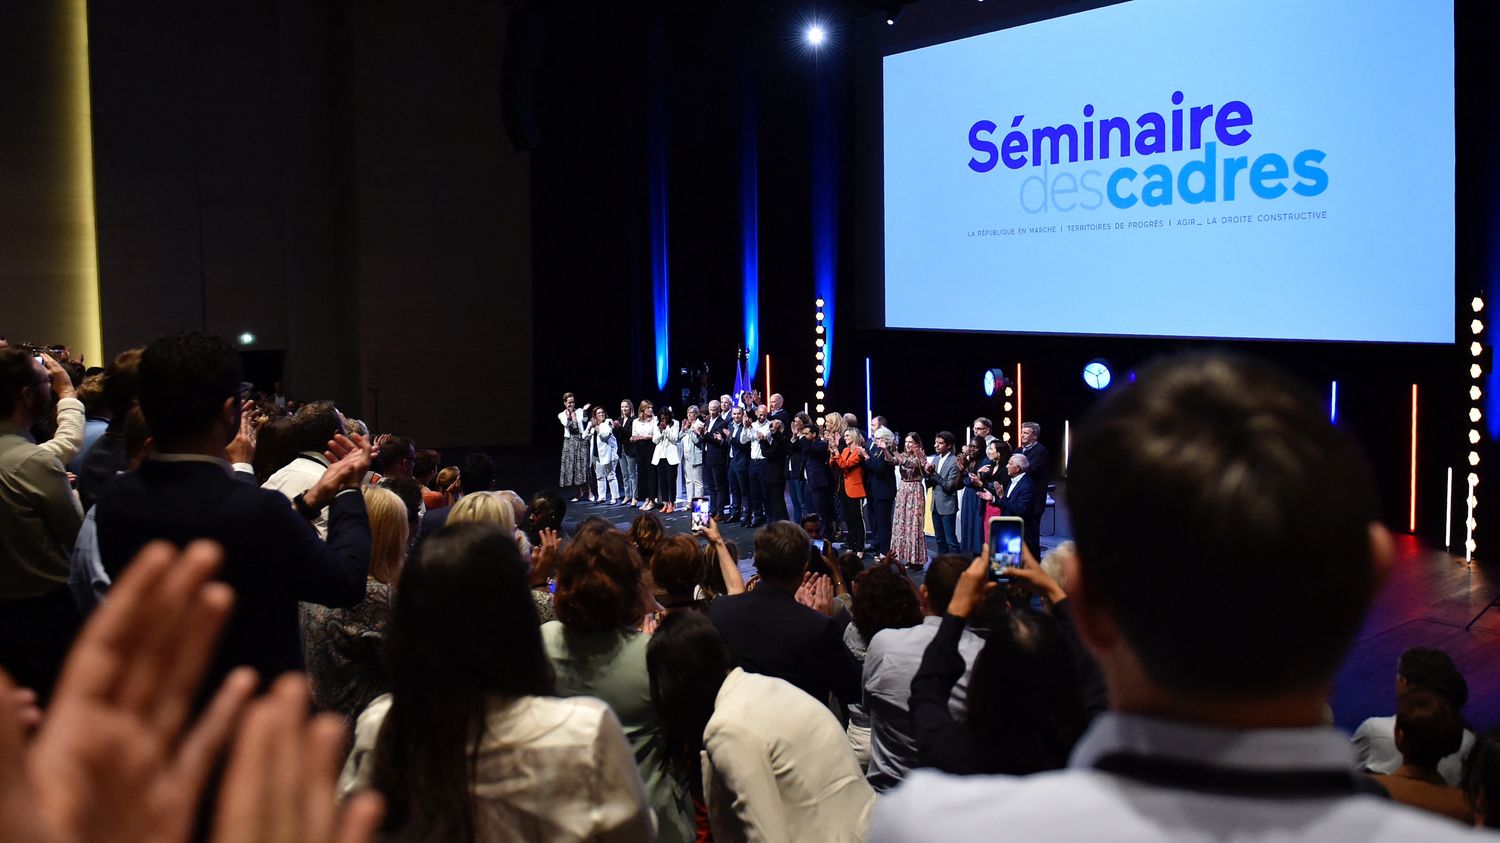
(484, 507)
(342, 647)
(851, 461)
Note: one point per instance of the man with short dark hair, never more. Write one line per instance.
(892, 661)
(39, 520)
(312, 427)
(397, 456)
(107, 457)
(769, 632)
(1427, 730)
(1417, 669)
(944, 480)
(1216, 729)
(740, 500)
(184, 491)
(1037, 455)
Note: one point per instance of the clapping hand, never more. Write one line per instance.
(816, 592)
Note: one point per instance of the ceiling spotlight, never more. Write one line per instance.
(893, 14)
(247, 338)
(1477, 304)
(815, 35)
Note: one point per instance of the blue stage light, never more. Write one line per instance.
(1096, 373)
(815, 35)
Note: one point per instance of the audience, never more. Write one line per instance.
(1418, 669)
(1217, 703)
(477, 474)
(472, 744)
(106, 457)
(1427, 730)
(342, 647)
(39, 520)
(313, 426)
(596, 651)
(882, 598)
(768, 631)
(778, 766)
(891, 662)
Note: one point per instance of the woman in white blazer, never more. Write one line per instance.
(666, 457)
(775, 763)
(693, 442)
(605, 450)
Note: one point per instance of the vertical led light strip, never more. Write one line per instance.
(1067, 443)
(1020, 419)
(1333, 404)
(91, 340)
(656, 175)
(768, 377)
(820, 359)
(869, 407)
(1448, 520)
(750, 225)
(1412, 525)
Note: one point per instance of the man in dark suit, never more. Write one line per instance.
(944, 482)
(1036, 454)
(189, 393)
(817, 478)
(716, 458)
(769, 632)
(740, 436)
(880, 487)
(1025, 500)
(775, 448)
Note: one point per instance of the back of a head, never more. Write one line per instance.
(1430, 669)
(17, 372)
(1427, 729)
(184, 381)
(1025, 704)
(687, 661)
(677, 567)
(314, 424)
(409, 491)
(122, 383)
(1481, 778)
(388, 532)
(884, 599)
(91, 393)
(483, 508)
(463, 630)
(477, 473)
(446, 477)
(425, 464)
(646, 532)
(781, 549)
(1256, 481)
(598, 583)
(274, 447)
(942, 580)
(393, 451)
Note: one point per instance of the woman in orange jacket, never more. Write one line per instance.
(851, 462)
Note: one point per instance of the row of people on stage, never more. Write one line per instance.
(758, 462)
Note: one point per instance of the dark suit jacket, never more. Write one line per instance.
(1026, 501)
(433, 521)
(714, 451)
(775, 449)
(880, 476)
(272, 556)
(1041, 464)
(814, 454)
(739, 452)
(770, 633)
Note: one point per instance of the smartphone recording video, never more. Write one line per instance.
(700, 513)
(1006, 539)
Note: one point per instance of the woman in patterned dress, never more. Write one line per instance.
(574, 477)
(908, 538)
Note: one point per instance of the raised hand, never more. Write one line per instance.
(241, 449)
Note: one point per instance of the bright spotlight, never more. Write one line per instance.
(1477, 304)
(1475, 349)
(1474, 393)
(819, 303)
(1475, 371)
(1475, 415)
(1476, 326)
(1473, 437)
(1473, 458)
(247, 338)
(819, 408)
(815, 35)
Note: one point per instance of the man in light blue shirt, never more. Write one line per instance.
(890, 663)
(1217, 699)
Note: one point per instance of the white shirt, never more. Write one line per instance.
(761, 428)
(1085, 804)
(666, 446)
(778, 767)
(549, 769)
(578, 419)
(296, 477)
(1375, 741)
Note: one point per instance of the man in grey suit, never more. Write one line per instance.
(944, 482)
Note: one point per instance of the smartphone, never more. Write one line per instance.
(1006, 540)
(700, 514)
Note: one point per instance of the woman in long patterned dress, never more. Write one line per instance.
(574, 477)
(908, 538)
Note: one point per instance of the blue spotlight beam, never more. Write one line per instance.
(656, 174)
(825, 184)
(750, 223)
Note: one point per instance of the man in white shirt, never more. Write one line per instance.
(1216, 729)
(759, 445)
(313, 426)
(1418, 669)
(892, 660)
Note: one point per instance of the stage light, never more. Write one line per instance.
(1009, 392)
(818, 382)
(819, 303)
(818, 356)
(1473, 437)
(1475, 349)
(819, 329)
(1470, 546)
(819, 368)
(1009, 406)
(1006, 420)
(989, 382)
(1472, 524)
(1473, 479)
(1473, 458)
(1475, 415)
(819, 408)
(893, 13)
(1476, 326)
(1472, 501)
(1005, 437)
(820, 316)
(819, 395)
(247, 338)
(1477, 304)
(1475, 371)
(1096, 373)
(815, 35)
(1474, 393)
(819, 342)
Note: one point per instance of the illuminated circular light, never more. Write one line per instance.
(1005, 436)
(819, 303)
(816, 35)
(1477, 304)
(820, 368)
(819, 329)
(1474, 393)
(819, 395)
(1470, 546)
(1473, 479)
(818, 356)
(1007, 421)
(989, 382)
(1476, 326)
(1473, 437)
(1475, 415)
(1475, 348)
(820, 316)
(1096, 374)
(1475, 371)
(818, 382)
(819, 408)
(1009, 392)
(1473, 458)
(1472, 502)
(1009, 406)
(247, 338)
(819, 343)
(1472, 524)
